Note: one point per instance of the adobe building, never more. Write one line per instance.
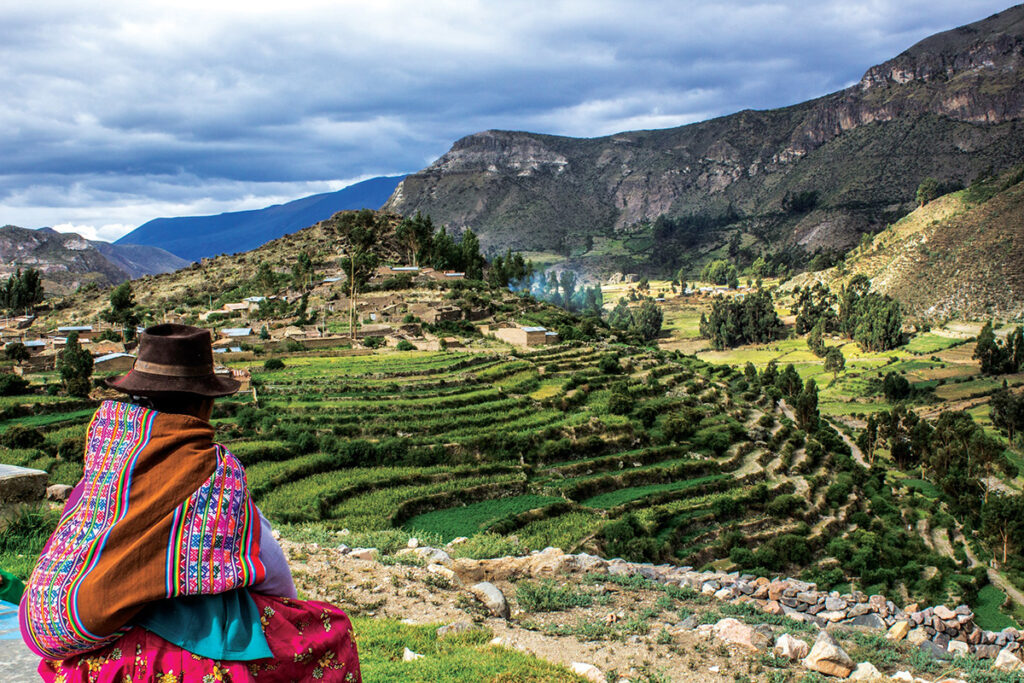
(526, 337)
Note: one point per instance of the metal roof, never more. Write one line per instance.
(236, 331)
(111, 356)
(534, 329)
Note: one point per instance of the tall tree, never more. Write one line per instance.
(646, 321)
(122, 310)
(567, 281)
(1002, 523)
(74, 364)
(361, 233)
(806, 408)
(834, 361)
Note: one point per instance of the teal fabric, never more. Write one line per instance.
(223, 627)
(11, 588)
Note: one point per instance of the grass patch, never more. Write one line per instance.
(454, 659)
(549, 596)
(987, 613)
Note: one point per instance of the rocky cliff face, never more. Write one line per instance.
(67, 260)
(948, 107)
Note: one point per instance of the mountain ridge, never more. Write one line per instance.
(949, 106)
(67, 260)
(238, 231)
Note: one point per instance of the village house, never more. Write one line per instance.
(523, 336)
(237, 334)
(84, 331)
(102, 348)
(113, 362)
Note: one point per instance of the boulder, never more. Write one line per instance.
(443, 571)
(366, 554)
(59, 493)
(944, 613)
(958, 648)
(736, 632)
(1007, 661)
(410, 656)
(934, 650)
(777, 589)
(866, 671)
(772, 607)
(413, 543)
(828, 657)
(790, 647)
(870, 620)
(835, 604)
(588, 671)
(21, 484)
(433, 555)
(917, 636)
(550, 563)
(492, 597)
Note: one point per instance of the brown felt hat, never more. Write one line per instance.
(174, 359)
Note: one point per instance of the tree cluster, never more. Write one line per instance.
(644, 320)
(996, 357)
(438, 249)
(1006, 410)
(562, 290)
(733, 320)
(510, 270)
(22, 290)
(721, 272)
(875, 321)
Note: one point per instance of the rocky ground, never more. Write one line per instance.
(615, 621)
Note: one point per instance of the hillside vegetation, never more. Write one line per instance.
(961, 255)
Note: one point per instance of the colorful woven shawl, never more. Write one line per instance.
(164, 512)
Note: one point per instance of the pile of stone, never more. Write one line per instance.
(941, 631)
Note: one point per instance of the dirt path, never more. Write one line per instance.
(858, 455)
(940, 539)
(997, 579)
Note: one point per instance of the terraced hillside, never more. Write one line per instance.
(616, 450)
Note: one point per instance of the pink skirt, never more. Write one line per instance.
(311, 641)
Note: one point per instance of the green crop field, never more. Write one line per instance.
(471, 519)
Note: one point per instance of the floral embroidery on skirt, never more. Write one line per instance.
(311, 641)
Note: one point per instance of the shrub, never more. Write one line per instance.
(273, 364)
(71, 450)
(406, 345)
(609, 365)
(12, 385)
(20, 436)
(549, 596)
(373, 342)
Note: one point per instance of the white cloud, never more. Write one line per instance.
(117, 112)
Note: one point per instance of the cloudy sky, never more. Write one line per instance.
(116, 112)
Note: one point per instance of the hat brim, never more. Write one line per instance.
(144, 384)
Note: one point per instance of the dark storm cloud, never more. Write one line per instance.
(116, 113)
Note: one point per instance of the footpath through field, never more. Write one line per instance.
(854, 450)
(997, 579)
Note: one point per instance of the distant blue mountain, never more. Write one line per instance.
(195, 237)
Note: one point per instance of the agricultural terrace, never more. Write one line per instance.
(942, 374)
(637, 453)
